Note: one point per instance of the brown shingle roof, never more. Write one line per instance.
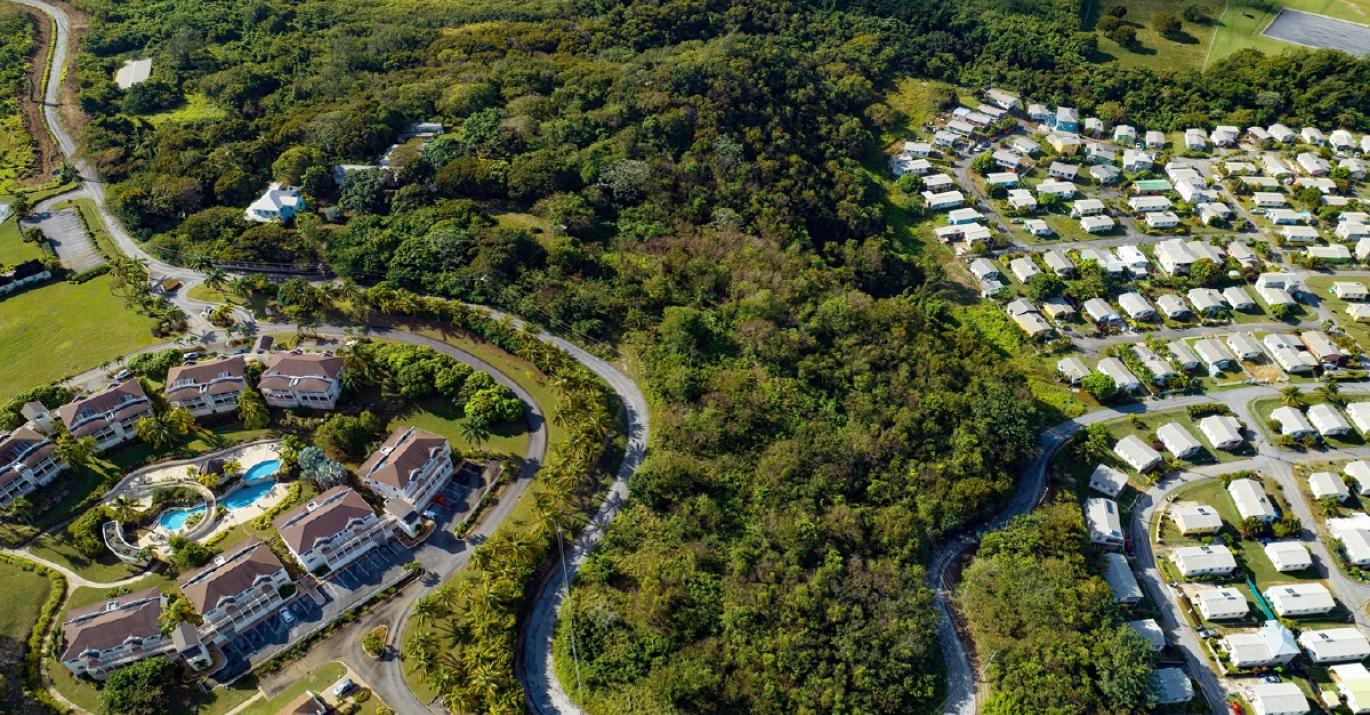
(101, 402)
(324, 516)
(306, 704)
(307, 373)
(404, 451)
(185, 382)
(111, 622)
(229, 575)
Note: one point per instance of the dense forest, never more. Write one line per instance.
(16, 147)
(687, 178)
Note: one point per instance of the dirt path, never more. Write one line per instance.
(48, 156)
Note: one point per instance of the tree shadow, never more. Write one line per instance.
(1181, 37)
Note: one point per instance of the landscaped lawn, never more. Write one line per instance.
(59, 330)
(25, 592)
(57, 548)
(442, 417)
(1250, 552)
(12, 249)
(1321, 286)
(319, 682)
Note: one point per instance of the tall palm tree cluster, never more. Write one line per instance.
(466, 646)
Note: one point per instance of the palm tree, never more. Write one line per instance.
(1291, 396)
(124, 508)
(215, 279)
(181, 421)
(22, 508)
(75, 452)
(1330, 391)
(474, 432)
(156, 430)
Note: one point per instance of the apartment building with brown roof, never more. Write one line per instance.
(207, 388)
(108, 416)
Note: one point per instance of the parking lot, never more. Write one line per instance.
(1309, 30)
(68, 237)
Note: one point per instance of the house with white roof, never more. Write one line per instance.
(1292, 422)
(1360, 415)
(1258, 136)
(1038, 227)
(1162, 219)
(1328, 484)
(1269, 199)
(1137, 454)
(1211, 212)
(1154, 139)
(1023, 268)
(1104, 523)
(277, 203)
(1122, 377)
(1059, 262)
(1350, 290)
(1135, 161)
(1299, 599)
(1062, 170)
(960, 127)
(1086, 207)
(1195, 139)
(1277, 699)
(1137, 263)
(1195, 518)
(1215, 356)
(1335, 253)
(984, 269)
(1355, 168)
(1173, 307)
(1225, 135)
(1147, 204)
(1205, 560)
(1245, 347)
(1219, 603)
(1136, 307)
(1313, 135)
(1097, 224)
(1121, 581)
(1328, 421)
(1342, 141)
(1022, 200)
(1284, 217)
(1003, 99)
(1175, 257)
(1072, 369)
(1150, 630)
(1238, 298)
(944, 138)
(1101, 312)
(943, 200)
(1064, 189)
(1271, 644)
(1125, 134)
(963, 216)
(1335, 645)
(1107, 480)
(938, 182)
(1184, 355)
(1359, 470)
(1288, 354)
(1161, 371)
(1207, 301)
(1105, 174)
(1288, 556)
(1281, 133)
(1242, 253)
(1251, 501)
(1275, 166)
(1025, 146)
(1353, 682)
(1313, 165)
(1350, 231)
(1171, 686)
(1355, 542)
(1222, 431)
(1001, 178)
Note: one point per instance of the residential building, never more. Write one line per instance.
(1062, 170)
(1277, 699)
(1086, 207)
(960, 127)
(1225, 135)
(1105, 174)
(1251, 501)
(1022, 200)
(108, 416)
(1121, 581)
(1149, 629)
(1162, 219)
(309, 380)
(1161, 371)
(1101, 312)
(961, 216)
(1269, 199)
(1215, 356)
(1136, 307)
(1353, 682)
(1064, 144)
(331, 530)
(207, 388)
(984, 269)
(412, 464)
(1299, 599)
(1322, 348)
(1195, 518)
(1023, 268)
(1288, 556)
(1328, 421)
(1220, 603)
(1104, 523)
(1002, 178)
(1313, 165)
(1072, 369)
(1213, 212)
(237, 590)
(1137, 263)
(1067, 119)
(1063, 189)
(1009, 160)
(277, 203)
(1207, 560)
(1195, 139)
(1171, 686)
(1025, 146)
(1107, 480)
(1178, 440)
(108, 635)
(1155, 139)
(1003, 99)
(1358, 470)
(1174, 257)
(1207, 301)
(1124, 134)
(1059, 263)
(1147, 204)
(1271, 644)
(1137, 454)
(1222, 431)
(1292, 422)
(1313, 135)
(942, 201)
(1258, 136)
(1037, 227)
(28, 462)
(1136, 161)
(1238, 298)
(1288, 354)
(1184, 355)
(1096, 224)
(1335, 645)
(1245, 347)
(1350, 290)
(1122, 377)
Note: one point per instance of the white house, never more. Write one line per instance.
(1107, 480)
(1288, 556)
(1238, 298)
(1207, 301)
(1171, 686)
(1064, 189)
(1147, 204)
(1149, 629)
(1218, 603)
(1281, 133)
(1096, 224)
(1100, 311)
(1137, 263)
(1023, 268)
(1155, 139)
(1355, 542)
(1215, 356)
(1001, 178)
(1122, 377)
(1350, 231)
(965, 215)
(1104, 522)
(1350, 290)
(1121, 581)
(1003, 99)
(1195, 518)
(1125, 134)
(1059, 262)
(1251, 500)
(1300, 599)
(1072, 369)
(1022, 200)
(1062, 170)
(1271, 644)
(1086, 207)
(1225, 135)
(1037, 227)
(1178, 441)
(277, 203)
(1277, 699)
(1360, 415)
(332, 530)
(1342, 141)
(1245, 347)
(1184, 355)
(1135, 161)
(1328, 421)
(1206, 560)
(1288, 355)
(1161, 371)
(412, 465)
(1195, 139)
(1269, 199)
(1162, 219)
(1137, 454)
(1359, 471)
(1174, 256)
(1222, 431)
(1313, 165)
(1275, 166)
(1313, 135)
(1258, 136)
(1335, 645)
(1292, 422)
(944, 200)
(1353, 682)
(1025, 146)
(1136, 307)
(1242, 253)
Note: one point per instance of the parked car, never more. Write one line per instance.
(123, 374)
(287, 616)
(343, 688)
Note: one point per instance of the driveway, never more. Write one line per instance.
(67, 235)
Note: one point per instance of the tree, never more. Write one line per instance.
(252, 409)
(157, 430)
(73, 451)
(144, 687)
(1045, 285)
(982, 164)
(1166, 23)
(1195, 13)
(317, 469)
(1108, 23)
(1124, 35)
(348, 435)
(187, 554)
(1291, 396)
(1330, 392)
(1100, 386)
(363, 191)
(123, 508)
(493, 405)
(290, 167)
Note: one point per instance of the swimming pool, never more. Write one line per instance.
(257, 482)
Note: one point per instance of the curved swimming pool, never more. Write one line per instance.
(257, 482)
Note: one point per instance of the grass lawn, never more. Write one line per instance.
(1250, 552)
(319, 682)
(1262, 408)
(12, 249)
(204, 293)
(57, 548)
(61, 329)
(920, 99)
(25, 592)
(1184, 51)
(197, 108)
(1241, 25)
(442, 417)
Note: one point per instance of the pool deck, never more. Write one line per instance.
(139, 485)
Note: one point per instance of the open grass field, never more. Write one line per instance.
(442, 417)
(197, 108)
(61, 329)
(25, 592)
(1152, 50)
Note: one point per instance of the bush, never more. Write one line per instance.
(1100, 386)
(1206, 410)
(347, 435)
(144, 687)
(155, 364)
